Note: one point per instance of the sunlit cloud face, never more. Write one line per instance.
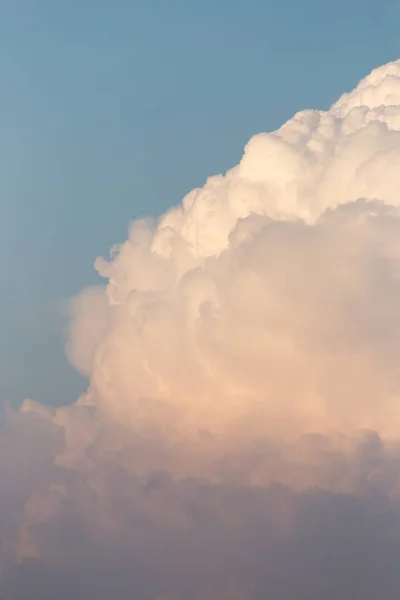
(240, 436)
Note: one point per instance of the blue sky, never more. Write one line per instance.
(113, 110)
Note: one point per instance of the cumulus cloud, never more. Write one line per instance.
(240, 436)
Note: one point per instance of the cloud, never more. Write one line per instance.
(88, 322)
(239, 439)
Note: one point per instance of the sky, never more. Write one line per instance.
(110, 111)
(200, 324)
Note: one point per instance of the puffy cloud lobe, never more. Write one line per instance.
(88, 313)
(239, 438)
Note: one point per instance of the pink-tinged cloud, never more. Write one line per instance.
(240, 436)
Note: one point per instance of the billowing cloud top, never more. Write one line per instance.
(240, 435)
